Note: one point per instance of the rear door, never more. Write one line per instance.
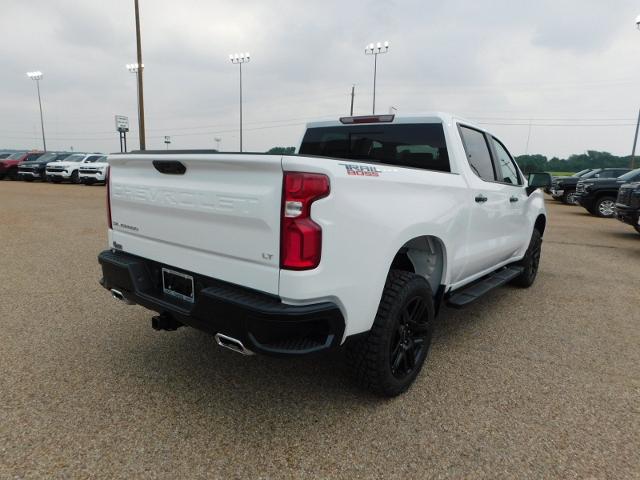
(488, 235)
(213, 214)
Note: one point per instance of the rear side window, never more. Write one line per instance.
(477, 150)
(420, 145)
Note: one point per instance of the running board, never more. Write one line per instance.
(471, 293)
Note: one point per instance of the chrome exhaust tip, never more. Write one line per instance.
(232, 344)
(117, 294)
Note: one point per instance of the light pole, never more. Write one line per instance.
(218, 140)
(137, 69)
(140, 72)
(167, 141)
(37, 76)
(239, 59)
(375, 50)
(635, 138)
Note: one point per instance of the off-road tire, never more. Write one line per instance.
(598, 205)
(530, 262)
(369, 356)
(75, 177)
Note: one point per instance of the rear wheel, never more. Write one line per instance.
(530, 262)
(387, 359)
(605, 207)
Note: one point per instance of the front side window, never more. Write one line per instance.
(477, 150)
(420, 145)
(508, 168)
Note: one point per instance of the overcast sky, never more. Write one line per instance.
(552, 63)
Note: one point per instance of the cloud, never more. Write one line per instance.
(486, 60)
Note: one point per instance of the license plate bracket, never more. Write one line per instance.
(178, 285)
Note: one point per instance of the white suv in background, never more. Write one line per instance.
(94, 172)
(68, 169)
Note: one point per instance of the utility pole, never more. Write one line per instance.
(37, 76)
(635, 143)
(353, 94)
(139, 78)
(375, 50)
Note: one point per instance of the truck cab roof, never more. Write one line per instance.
(426, 117)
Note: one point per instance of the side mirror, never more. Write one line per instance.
(538, 180)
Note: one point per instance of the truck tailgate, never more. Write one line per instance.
(220, 218)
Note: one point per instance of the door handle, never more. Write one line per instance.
(481, 198)
(513, 199)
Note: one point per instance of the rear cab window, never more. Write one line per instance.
(419, 145)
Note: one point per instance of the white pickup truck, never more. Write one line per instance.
(356, 241)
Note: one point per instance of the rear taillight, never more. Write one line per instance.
(108, 173)
(301, 237)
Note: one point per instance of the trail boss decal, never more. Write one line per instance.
(361, 170)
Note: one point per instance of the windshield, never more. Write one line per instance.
(592, 174)
(420, 145)
(630, 175)
(47, 157)
(78, 157)
(62, 156)
(15, 156)
(581, 172)
(94, 158)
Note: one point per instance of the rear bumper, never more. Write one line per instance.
(261, 322)
(628, 215)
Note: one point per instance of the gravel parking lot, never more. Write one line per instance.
(532, 383)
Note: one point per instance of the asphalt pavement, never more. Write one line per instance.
(526, 383)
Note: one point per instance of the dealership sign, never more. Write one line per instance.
(122, 123)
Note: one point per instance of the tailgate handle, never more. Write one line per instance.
(170, 167)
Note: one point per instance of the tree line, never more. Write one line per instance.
(574, 163)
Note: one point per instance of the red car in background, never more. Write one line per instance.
(9, 165)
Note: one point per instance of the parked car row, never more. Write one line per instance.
(628, 204)
(56, 167)
(603, 192)
(564, 188)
